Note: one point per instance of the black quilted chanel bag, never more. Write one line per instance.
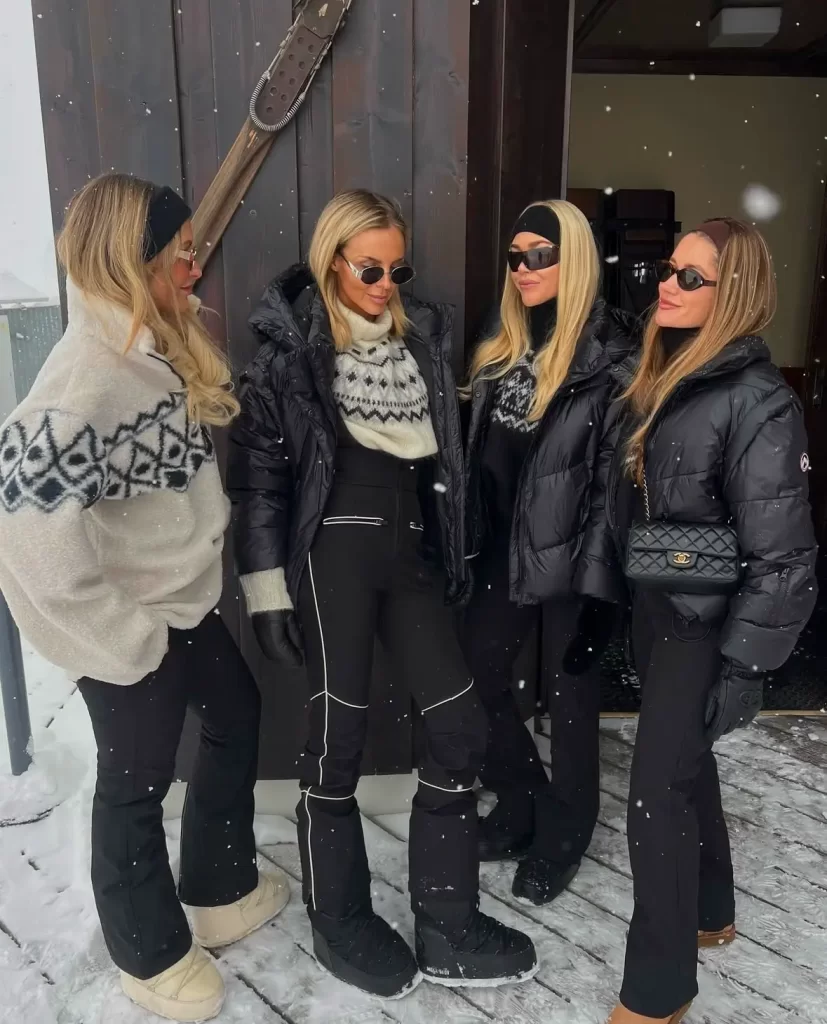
(689, 558)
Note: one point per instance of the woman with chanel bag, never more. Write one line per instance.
(112, 522)
(702, 499)
(539, 390)
(347, 479)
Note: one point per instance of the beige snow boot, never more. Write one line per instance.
(190, 990)
(219, 926)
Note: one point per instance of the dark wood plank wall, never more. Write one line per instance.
(160, 89)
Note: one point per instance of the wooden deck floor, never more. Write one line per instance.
(775, 795)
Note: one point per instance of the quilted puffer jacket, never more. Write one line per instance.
(729, 446)
(282, 447)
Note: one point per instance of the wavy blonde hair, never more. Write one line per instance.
(579, 282)
(101, 249)
(745, 303)
(347, 215)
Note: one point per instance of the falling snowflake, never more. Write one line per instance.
(760, 202)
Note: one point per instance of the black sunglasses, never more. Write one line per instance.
(689, 280)
(535, 259)
(373, 275)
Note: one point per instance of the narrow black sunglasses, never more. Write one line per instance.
(373, 275)
(689, 280)
(535, 259)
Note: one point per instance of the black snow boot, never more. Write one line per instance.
(483, 953)
(364, 951)
(540, 881)
(507, 832)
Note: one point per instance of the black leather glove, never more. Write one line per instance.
(595, 629)
(279, 637)
(734, 700)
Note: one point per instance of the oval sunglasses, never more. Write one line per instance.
(689, 280)
(403, 274)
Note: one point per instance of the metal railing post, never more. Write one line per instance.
(15, 698)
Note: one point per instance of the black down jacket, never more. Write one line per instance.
(728, 446)
(553, 505)
(282, 447)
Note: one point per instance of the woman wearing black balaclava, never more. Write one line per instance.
(539, 387)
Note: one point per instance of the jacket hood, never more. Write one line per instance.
(740, 354)
(291, 306)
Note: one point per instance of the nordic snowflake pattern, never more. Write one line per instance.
(514, 396)
(53, 459)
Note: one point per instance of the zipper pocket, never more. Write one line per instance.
(780, 597)
(354, 521)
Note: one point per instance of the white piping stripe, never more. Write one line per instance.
(449, 699)
(317, 796)
(319, 694)
(310, 852)
(359, 707)
(459, 789)
(326, 724)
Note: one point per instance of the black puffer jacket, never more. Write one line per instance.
(282, 447)
(728, 446)
(553, 505)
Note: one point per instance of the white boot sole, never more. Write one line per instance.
(417, 981)
(208, 943)
(517, 979)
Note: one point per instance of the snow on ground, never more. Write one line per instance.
(54, 968)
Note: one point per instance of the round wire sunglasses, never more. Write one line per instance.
(403, 274)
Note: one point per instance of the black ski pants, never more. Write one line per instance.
(561, 813)
(367, 577)
(678, 841)
(137, 730)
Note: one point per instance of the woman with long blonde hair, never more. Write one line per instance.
(707, 434)
(347, 480)
(540, 385)
(112, 520)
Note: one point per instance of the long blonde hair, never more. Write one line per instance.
(346, 215)
(101, 249)
(579, 282)
(745, 302)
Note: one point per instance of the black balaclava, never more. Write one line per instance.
(541, 220)
(165, 217)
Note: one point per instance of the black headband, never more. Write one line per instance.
(539, 219)
(166, 215)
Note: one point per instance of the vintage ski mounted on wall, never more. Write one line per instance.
(281, 90)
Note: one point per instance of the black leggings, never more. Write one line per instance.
(678, 841)
(137, 730)
(368, 578)
(562, 814)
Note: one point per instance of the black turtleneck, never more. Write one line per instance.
(509, 433)
(674, 338)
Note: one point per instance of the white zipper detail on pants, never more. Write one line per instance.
(354, 521)
(416, 526)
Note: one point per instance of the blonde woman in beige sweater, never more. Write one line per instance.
(112, 520)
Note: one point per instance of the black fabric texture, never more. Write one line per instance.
(678, 841)
(729, 447)
(554, 490)
(366, 578)
(137, 730)
(562, 813)
(538, 219)
(283, 446)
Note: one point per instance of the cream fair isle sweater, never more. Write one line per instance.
(112, 512)
(383, 402)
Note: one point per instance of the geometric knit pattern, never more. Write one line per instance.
(380, 384)
(58, 458)
(514, 396)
